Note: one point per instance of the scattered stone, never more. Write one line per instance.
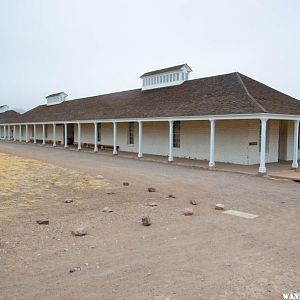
(152, 204)
(220, 206)
(126, 183)
(171, 196)
(79, 232)
(188, 212)
(151, 190)
(109, 192)
(194, 202)
(68, 200)
(146, 221)
(75, 269)
(99, 177)
(107, 209)
(43, 222)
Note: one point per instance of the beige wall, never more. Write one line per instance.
(232, 139)
(290, 141)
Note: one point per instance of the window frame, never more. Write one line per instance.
(130, 134)
(176, 134)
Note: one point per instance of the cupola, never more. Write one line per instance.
(165, 77)
(56, 98)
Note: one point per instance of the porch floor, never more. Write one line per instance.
(279, 170)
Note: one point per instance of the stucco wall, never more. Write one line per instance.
(290, 141)
(232, 140)
(253, 136)
(236, 141)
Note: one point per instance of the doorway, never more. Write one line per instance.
(282, 143)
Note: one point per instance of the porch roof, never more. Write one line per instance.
(226, 94)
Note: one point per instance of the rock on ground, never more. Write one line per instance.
(188, 212)
(220, 206)
(126, 183)
(151, 190)
(107, 209)
(193, 202)
(146, 221)
(152, 204)
(43, 222)
(68, 200)
(79, 232)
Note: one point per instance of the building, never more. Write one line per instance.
(225, 118)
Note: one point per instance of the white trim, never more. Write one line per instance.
(177, 118)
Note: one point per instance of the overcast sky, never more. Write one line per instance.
(91, 47)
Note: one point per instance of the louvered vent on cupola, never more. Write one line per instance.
(166, 77)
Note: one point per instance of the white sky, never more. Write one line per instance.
(91, 47)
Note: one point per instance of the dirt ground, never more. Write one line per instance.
(209, 255)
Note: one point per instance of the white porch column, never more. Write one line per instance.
(54, 135)
(26, 133)
(34, 133)
(66, 135)
(296, 141)
(20, 133)
(44, 139)
(212, 163)
(14, 133)
(115, 151)
(140, 154)
(79, 136)
(170, 158)
(262, 166)
(4, 131)
(8, 132)
(95, 136)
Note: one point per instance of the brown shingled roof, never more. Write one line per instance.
(231, 93)
(9, 116)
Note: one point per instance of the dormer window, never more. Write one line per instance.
(166, 77)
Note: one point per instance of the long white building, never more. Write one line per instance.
(225, 118)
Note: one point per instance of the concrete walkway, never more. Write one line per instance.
(280, 170)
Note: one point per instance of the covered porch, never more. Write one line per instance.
(247, 143)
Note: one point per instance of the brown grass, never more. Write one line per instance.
(25, 181)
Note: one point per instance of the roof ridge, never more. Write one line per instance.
(248, 93)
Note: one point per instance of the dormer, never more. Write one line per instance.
(165, 77)
(4, 108)
(56, 98)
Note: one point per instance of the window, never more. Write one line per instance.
(167, 78)
(182, 76)
(171, 77)
(32, 130)
(130, 137)
(22, 130)
(177, 76)
(186, 76)
(176, 134)
(160, 79)
(164, 78)
(267, 136)
(99, 131)
(46, 131)
(152, 80)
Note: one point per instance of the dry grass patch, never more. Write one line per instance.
(25, 181)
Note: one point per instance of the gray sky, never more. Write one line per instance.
(91, 47)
